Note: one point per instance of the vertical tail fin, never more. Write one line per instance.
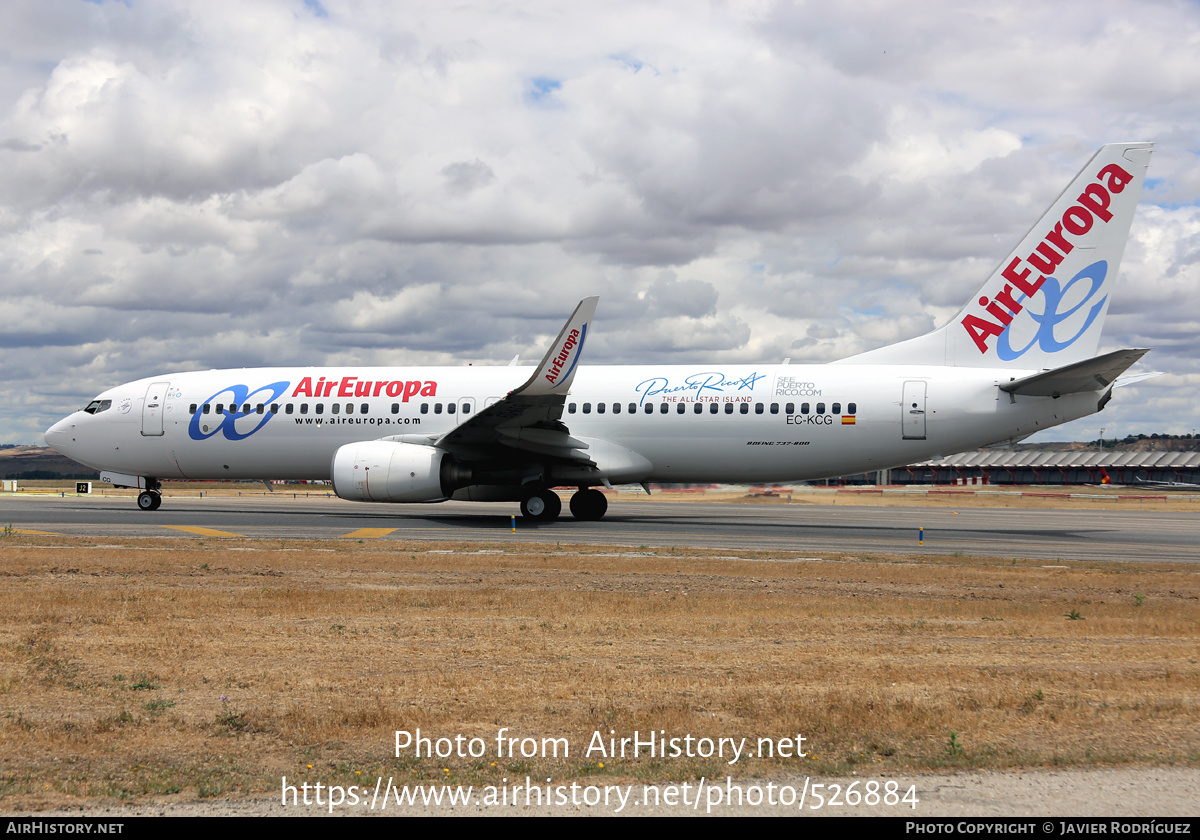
(1044, 305)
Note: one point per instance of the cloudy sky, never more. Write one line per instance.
(191, 185)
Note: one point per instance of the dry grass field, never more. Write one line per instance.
(213, 667)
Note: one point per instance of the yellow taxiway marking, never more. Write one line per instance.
(37, 533)
(368, 533)
(202, 532)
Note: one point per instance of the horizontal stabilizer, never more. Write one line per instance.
(1088, 375)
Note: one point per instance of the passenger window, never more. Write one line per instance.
(680, 408)
(335, 408)
(713, 408)
(304, 408)
(804, 408)
(192, 410)
(246, 408)
(599, 408)
(837, 408)
(698, 408)
(424, 408)
(745, 409)
(206, 408)
(395, 408)
(570, 408)
(258, 409)
(450, 408)
(774, 408)
(274, 408)
(466, 409)
(663, 408)
(758, 408)
(287, 409)
(729, 408)
(437, 408)
(852, 408)
(320, 408)
(633, 408)
(616, 408)
(220, 409)
(649, 408)
(790, 408)
(587, 408)
(820, 408)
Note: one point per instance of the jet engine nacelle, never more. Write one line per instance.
(390, 471)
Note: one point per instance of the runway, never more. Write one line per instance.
(810, 530)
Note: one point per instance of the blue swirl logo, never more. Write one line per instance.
(242, 395)
(1050, 317)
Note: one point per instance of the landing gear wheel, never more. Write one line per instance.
(542, 506)
(589, 505)
(149, 500)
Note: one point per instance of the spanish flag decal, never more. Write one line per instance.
(847, 419)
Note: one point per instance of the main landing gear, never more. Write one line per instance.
(151, 497)
(588, 505)
(543, 505)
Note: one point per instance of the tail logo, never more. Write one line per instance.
(1091, 204)
(1051, 317)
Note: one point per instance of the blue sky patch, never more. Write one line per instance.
(543, 88)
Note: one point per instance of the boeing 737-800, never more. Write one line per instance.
(1018, 358)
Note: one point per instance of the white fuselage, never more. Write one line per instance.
(721, 423)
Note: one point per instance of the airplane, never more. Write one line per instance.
(1019, 357)
(1165, 485)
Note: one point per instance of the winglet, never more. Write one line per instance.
(557, 369)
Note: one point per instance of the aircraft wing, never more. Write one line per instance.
(529, 418)
(1088, 375)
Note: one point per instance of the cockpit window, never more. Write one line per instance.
(96, 406)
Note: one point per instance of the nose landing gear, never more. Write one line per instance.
(151, 497)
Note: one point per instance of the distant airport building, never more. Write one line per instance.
(1034, 466)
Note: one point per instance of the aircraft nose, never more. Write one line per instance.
(58, 436)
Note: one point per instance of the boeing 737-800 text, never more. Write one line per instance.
(1018, 358)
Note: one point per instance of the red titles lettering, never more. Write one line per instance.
(979, 329)
(1118, 178)
(1096, 199)
(352, 386)
(557, 363)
